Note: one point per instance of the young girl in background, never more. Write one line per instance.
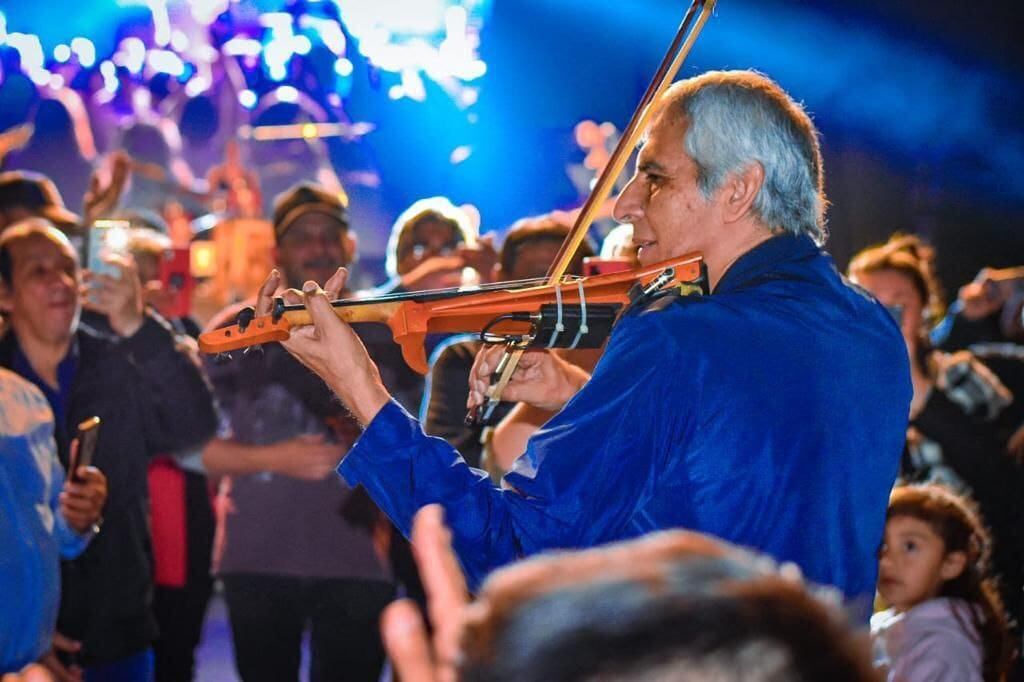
(946, 620)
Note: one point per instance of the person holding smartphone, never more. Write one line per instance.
(46, 516)
(151, 397)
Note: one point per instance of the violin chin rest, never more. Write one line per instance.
(414, 351)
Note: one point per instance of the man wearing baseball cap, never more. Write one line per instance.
(24, 194)
(290, 559)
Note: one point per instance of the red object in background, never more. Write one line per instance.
(604, 266)
(167, 520)
(177, 281)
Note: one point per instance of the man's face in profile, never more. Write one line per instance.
(669, 214)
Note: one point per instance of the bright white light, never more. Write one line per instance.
(161, 21)
(3, 28)
(247, 98)
(287, 93)
(179, 41)
(30, 49)
(329, 31)
(343, 67)
(301, 45)
(165, 61)
(205, 11)
(238, 47)
(62, 53)
(277, 72)
(469, 96)
(277, 21)
(133, 52)
(197, 86)
(56, 81)
(85, 51)
(396, 92)
(412, 85)
(109, 72)
(460, 154)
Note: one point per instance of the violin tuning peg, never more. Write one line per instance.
(245, 317)
(254, 350)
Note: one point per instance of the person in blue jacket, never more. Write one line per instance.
(42, 518)
(770, 413)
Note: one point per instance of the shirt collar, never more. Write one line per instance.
(764, 258)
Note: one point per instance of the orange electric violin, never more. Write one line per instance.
(555, 312)
(577, 312)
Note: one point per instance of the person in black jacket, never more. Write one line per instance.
(962, 415)
(142, 382)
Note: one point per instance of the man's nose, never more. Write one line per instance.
(627, 207)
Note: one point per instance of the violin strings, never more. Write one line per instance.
(430, 293)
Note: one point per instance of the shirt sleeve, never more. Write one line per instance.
(579, 483)
(936, 658)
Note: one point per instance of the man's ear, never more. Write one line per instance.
(739, 191)
(953, 565)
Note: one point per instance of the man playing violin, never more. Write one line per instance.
(770, 413)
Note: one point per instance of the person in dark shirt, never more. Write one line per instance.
(291, 558)
(962, 415)
(729, 414)
(145, 387)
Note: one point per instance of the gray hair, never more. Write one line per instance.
(735, 117)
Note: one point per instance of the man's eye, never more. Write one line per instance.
(910, 546)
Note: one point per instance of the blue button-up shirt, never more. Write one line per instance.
(770, 414)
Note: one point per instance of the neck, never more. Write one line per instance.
(43, 355)
(726, 252)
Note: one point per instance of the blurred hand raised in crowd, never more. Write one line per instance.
(329, 347)
(987, 293)
(416, 656)
(542, 379)
(482, 256)
(119, 298)
(103, 195)
(440, 272)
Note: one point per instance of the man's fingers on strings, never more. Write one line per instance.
(265, 297)
(334, 286)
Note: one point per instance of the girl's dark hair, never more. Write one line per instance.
(954, 519)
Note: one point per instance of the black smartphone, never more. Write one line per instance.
(88, 432)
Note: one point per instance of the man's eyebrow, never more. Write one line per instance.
(648, 166)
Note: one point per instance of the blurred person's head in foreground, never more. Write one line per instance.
(312, 234)
(24, 194)
(673, 605)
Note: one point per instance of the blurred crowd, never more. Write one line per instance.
(205, 468)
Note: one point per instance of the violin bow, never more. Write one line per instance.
(689, 29)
